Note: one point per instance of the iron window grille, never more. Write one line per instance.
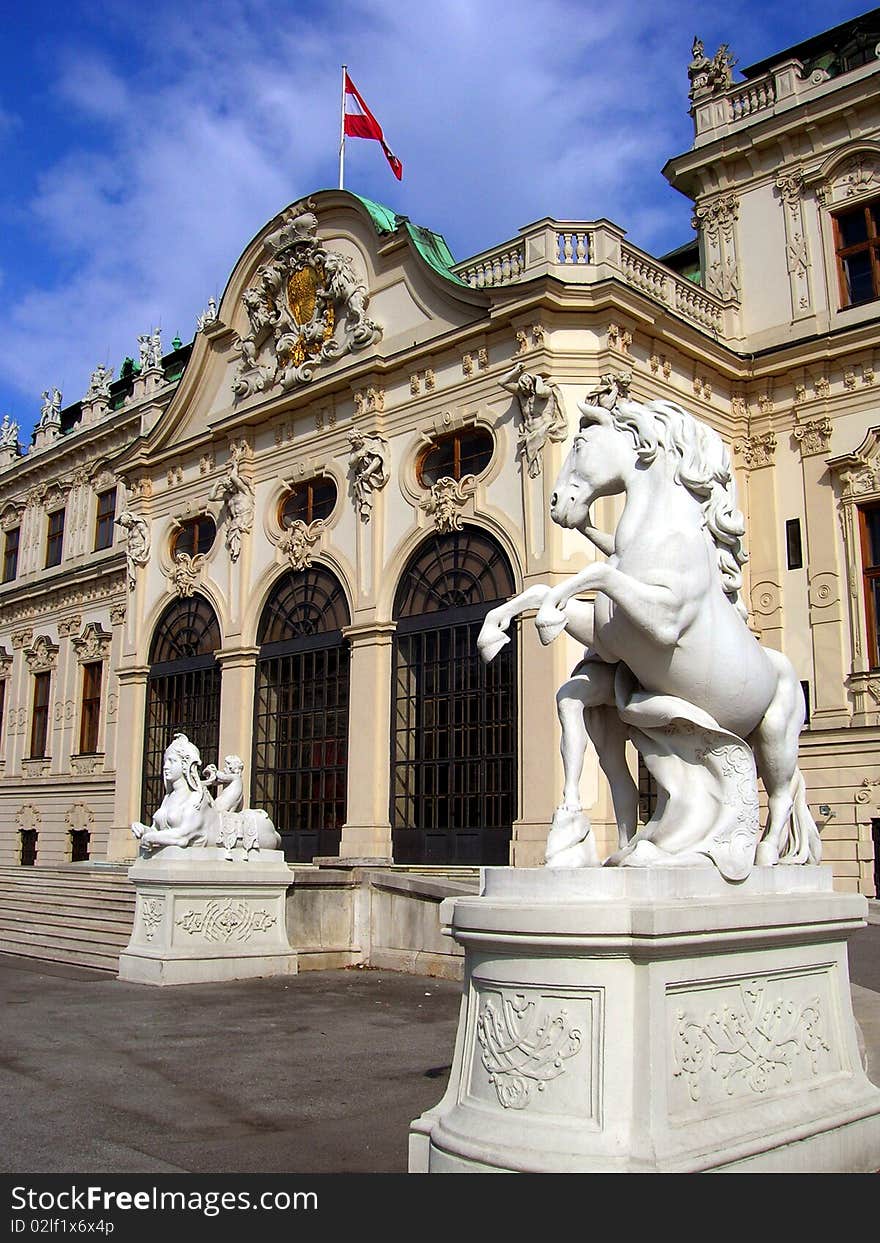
(301, 703)
(454, 718)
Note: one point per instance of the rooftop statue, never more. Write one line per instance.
(50, 411)
(8, 434)
(669, 663)
(189, 816)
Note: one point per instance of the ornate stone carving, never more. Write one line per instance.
(298, 541)
(5, 662)
(21, 638)
(11, 516)
(69, 625)
(824, 589)
(422, 381)
(93, 644)
(237, 495)
(117, 614)
(152, 912)
(150, 350)
(752, 1044)
(79, 818)
(226, 919)
(756, 450)
(541, 415)
(307, 303)
(709, 77)
(717, 218)
(813, 437)
(524, 1046)
(791, 187)
(822, 386)
(29, 818)
(325, 417)
(137, 547)
(479, 359)
(208, 317)
(766, 598)
(369, 400)
(446, 500)
(99, 383)
(86, 765)
(369, 469)
(858, 175)
(42, 655)
(8, 441)
(530, 337)
(187, 570)
(619, 338)
(50, 411)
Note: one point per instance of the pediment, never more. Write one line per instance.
(332, 288)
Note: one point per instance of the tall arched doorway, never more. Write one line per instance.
(454, 736)
(183, 690)
(300, 763)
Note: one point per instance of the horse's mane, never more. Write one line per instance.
(702, 465)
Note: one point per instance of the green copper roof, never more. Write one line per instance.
(430, 245)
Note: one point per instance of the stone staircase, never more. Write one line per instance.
(78, 914)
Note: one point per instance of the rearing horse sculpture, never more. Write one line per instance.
(670, 662)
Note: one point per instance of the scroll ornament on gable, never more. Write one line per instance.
(306, 307)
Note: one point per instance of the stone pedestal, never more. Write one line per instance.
(654, 1020)
(202, 917)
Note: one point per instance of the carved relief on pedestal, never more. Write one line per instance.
(152, 912)
(745, 1039)
(307, 306)
(525, 1044)
(445, 502)
(226, 919)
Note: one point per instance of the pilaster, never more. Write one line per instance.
(367, 829)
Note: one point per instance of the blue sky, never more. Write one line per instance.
(142, 146)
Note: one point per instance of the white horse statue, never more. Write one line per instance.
(188, 814)
(670, 662)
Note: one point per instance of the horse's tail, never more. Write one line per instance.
(804, 844)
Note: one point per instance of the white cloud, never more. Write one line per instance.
(219, 114)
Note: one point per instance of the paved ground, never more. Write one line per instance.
(321, 1073)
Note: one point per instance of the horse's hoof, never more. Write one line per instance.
(766, 856)
(550, 625)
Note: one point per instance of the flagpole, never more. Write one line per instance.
(342, 132)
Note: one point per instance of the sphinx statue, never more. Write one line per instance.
(669, 661)
(189, 816)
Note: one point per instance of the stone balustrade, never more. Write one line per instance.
(589, 252)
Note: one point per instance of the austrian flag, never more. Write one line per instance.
(359, 122)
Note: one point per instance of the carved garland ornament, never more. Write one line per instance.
(227, 919)
(307, 303)
(522, 1046)
(751, 1046)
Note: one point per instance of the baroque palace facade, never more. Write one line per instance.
(283, 537)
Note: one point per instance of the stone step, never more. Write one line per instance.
(67, 939)
(66, 919)
(76, 958)
(62, 897)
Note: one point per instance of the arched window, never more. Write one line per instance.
(306, 501)
(467, 451)
(183, 690)
(196, 535)
(454, 737)
(300, 762)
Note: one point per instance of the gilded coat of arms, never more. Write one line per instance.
(307, 306)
